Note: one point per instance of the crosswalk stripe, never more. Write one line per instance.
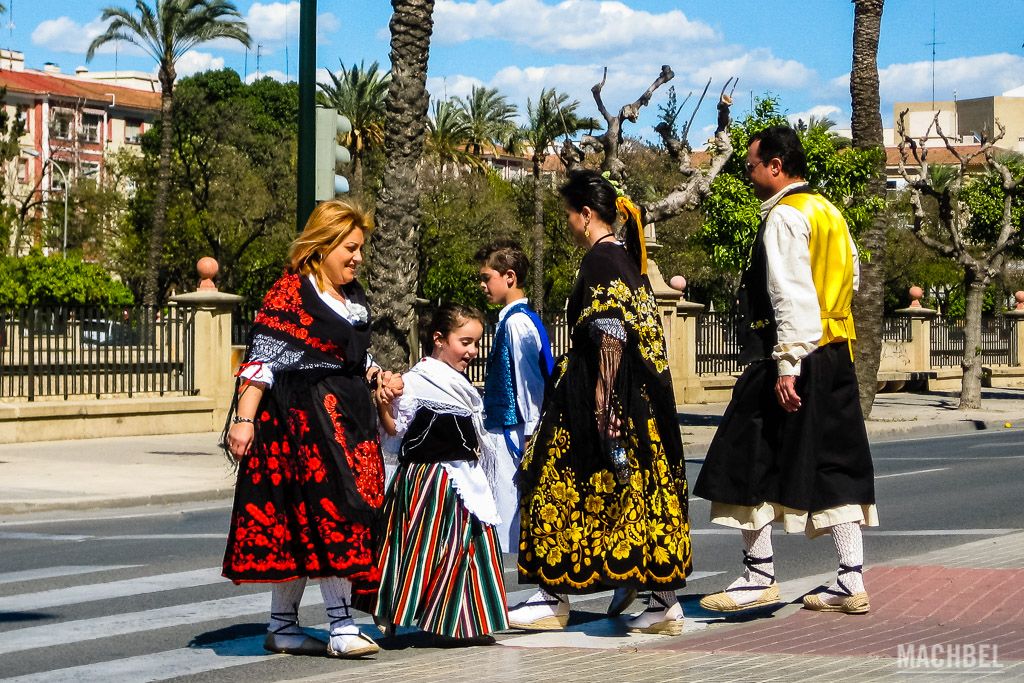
(65, 570)
(80, 630)
(113, 589)
(30, 536)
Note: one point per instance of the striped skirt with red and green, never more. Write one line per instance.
(440, 565)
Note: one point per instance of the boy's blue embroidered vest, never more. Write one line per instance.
(501, 409)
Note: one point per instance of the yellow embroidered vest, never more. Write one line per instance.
(832, 262)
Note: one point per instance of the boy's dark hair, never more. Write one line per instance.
(781, 142)
(504, 255)
(447, 317)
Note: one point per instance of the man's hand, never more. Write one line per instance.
(785, 392)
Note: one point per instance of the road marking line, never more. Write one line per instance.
(940, 532)
(157, 537)
(75, 595)
(65, 570)
(904, 474)
(105, 518)
(29, 536)
(67, 632)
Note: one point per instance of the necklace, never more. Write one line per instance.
(601, 238)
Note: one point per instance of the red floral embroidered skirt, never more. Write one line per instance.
(289, 518)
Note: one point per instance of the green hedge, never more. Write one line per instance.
(51, 280)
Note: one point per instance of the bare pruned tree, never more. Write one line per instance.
(695, 184)
(948, 234)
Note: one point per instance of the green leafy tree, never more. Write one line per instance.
(448, 136)
(166, 31)
(35, 279)
(358, 93)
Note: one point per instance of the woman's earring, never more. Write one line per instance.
(586, 227)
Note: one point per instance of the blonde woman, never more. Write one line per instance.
(303, 429)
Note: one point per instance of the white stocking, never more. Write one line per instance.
(757, 557)
(337, 594)
(284, 607)
(850, 548)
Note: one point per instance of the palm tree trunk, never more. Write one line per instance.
(866, 125)
(394, 270)
(357, 174)
(163, 187)
(970, 392)
(537, 267)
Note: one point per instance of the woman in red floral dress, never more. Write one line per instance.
(303, 429)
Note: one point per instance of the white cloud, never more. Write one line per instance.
(818, 112)
(276, 74)
(193, 62)
(963, 77)
(273, 24)
(602, 25)
(64, 34)
(759, 69)
(443, 87)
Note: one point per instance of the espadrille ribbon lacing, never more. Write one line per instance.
(768, 594)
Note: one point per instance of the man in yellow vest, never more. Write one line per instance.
(792, 447)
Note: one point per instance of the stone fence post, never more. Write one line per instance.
(920, 336)
(210, 353)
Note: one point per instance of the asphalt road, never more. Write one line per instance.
(125, 595)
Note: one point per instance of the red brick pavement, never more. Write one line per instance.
(917, 605)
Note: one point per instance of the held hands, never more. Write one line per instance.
(240, 438)
(390, 386)
(785, 392)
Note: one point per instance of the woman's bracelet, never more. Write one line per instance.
(238, 420)
(372, 381)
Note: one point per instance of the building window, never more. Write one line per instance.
(92, 126)
(61, 125)
(132, 131)
(89, 169)
(23, 170)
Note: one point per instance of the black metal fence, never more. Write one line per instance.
(241, 321)
(998, 342)
(74, 351)
(718, 348)
(897, 329)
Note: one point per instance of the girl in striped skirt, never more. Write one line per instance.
(440, 559)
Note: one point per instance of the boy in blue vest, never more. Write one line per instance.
(518, 366)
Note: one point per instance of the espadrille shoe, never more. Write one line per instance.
(351, 646)
(664, 618)
(721, 602)
(542, 612)
(841, 599)
(768, 594)
(854, 604)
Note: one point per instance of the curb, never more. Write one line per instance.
(125, 501)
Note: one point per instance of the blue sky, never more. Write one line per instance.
(799, 51)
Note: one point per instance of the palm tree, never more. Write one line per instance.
(489, 114)
(553, 114)
(165, 32)
(448, 135)
(393, 270)
(866, 130)
(359, 94)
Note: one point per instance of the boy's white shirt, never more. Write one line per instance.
(525, 345)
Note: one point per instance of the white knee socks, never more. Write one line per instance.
(850, 548)
(757, 556)
(284, 607)
(337, 594)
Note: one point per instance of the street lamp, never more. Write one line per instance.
(67, 188)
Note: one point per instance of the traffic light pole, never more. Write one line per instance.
(307, 111)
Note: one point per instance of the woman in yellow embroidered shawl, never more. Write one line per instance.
(603, 484)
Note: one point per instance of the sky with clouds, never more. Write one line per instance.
(797, 50)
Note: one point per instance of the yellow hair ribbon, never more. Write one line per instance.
(628, 209)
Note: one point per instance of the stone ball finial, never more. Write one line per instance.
(1019, 298)
(678, 282)
(915, 296)
(207, 268)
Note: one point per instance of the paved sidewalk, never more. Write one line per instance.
(117, 472)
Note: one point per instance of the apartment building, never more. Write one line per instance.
(75, 121)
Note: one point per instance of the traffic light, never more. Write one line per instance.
(329, 154)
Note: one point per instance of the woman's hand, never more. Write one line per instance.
(609, 425)
(240, 438)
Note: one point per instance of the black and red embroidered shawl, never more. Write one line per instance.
(311, 486)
